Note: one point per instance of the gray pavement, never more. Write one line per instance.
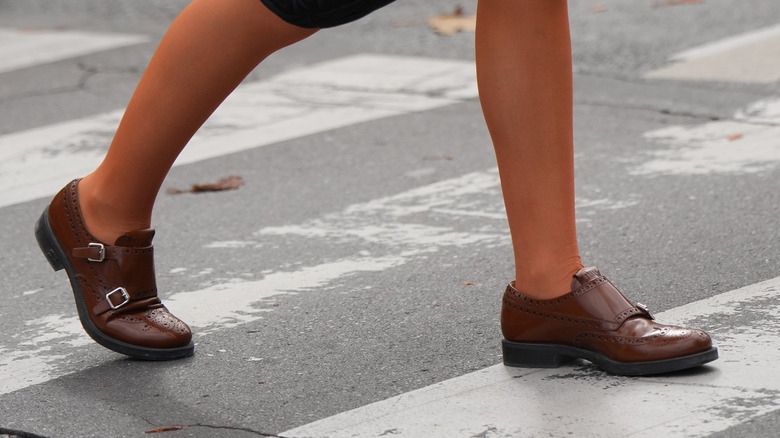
(666, 239)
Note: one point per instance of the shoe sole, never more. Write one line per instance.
(532, 355)
(53, 252)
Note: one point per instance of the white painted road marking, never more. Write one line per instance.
(490, 402)
(377, 86)
(753, 57)
(748, 144)
(579, 401)
(301, 102)
(395, 228)
(27, 48)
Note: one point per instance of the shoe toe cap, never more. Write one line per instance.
(156, 328)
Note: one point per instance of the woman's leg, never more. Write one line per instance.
(97, 228)
(525, 85)
(205, 54)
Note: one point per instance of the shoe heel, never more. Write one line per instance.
(517, 354)
(46, 242)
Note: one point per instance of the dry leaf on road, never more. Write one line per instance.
(231, 182)
(165, 429)
(735, 136)
(598, 7)
(457, 21)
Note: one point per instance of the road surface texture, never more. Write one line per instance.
(351, 287)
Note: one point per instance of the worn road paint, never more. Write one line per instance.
(294, 104)
(230, 304)
(22, 48)
(395, 228)
(765, 111)
(753, 57)
(748, 144)
(400, 224)
(581, 401)
(39, 352)
(394, 224)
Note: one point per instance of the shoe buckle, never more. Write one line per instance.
(101, 252)
(645, 309)
(123, 293)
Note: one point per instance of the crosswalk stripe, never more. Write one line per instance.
(396, 228)
(747, 144)
(301, 102)
(753, 57)
(580, 401)
(22, 48)
(492, 402)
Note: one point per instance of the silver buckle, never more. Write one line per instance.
(101, 252)
(125, 298)
(645, 309)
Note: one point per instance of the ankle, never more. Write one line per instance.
(547, 283)
(104, 218)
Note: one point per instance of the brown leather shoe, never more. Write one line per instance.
(114, 285)
(598, 323)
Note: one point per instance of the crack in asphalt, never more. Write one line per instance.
(244, 429)
(634, 77)
(670, 112)
(80, 85)
(133, 414)
(664, 111)
(86, 73)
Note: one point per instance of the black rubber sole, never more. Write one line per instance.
(56, 256)
(531, 355)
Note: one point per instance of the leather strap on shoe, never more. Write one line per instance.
(605, 295)
(129, 290)
(98, 252)
(129, 305)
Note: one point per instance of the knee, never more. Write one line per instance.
(323, 13)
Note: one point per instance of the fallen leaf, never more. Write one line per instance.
(733, 137)
(662, 3)
(467, 283)
(231, 182)
(457, 21)
(598, 7)
(165, 429)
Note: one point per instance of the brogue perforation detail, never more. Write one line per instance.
(595, 321)
(581, 321)
(563, 298)
(132, 329)
(85, 285)
(679, 334)
(131, 318)
(598, 281)
(623, 340)
(134, 251)
(161, 317)
(103, 283)
(72, 206)
(556, 301)
(628, 313)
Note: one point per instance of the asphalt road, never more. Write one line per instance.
(320, 347)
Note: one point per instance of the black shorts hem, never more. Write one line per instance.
(314, 14)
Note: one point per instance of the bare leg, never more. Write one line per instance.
(205, 54)
(208, 50)
(525, 85)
